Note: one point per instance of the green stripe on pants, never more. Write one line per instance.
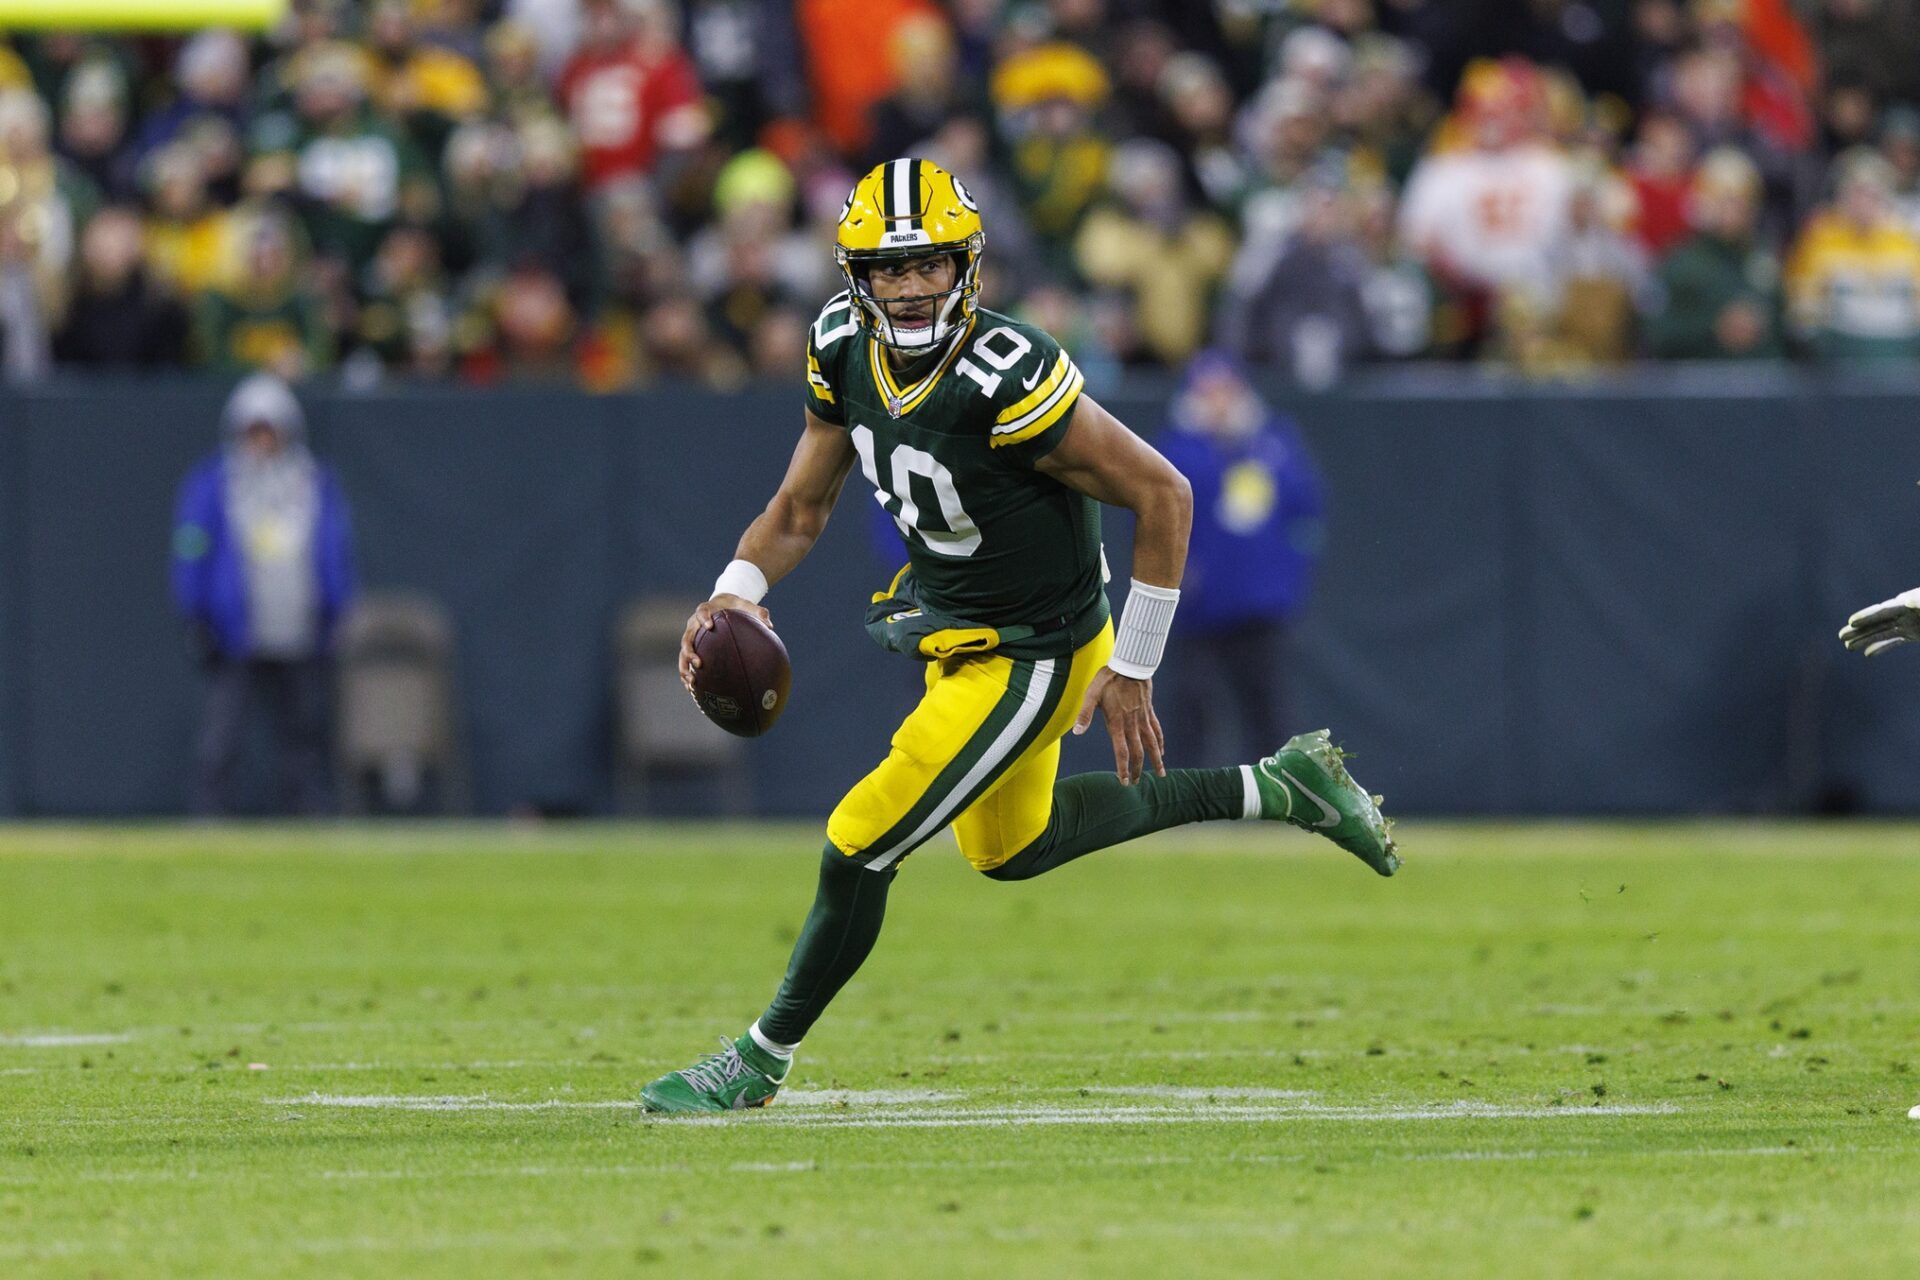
(1033, 692)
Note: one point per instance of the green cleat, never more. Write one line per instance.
(1306, 784)
(738, 1077)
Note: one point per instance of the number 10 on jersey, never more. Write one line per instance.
(961, 537)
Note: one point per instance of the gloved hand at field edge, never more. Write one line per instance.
(1883, 625)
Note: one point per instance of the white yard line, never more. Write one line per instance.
(62, 1039)
(1440, 1053)
(1030, 1117)
(1694, 1152)
(446, 1102)
(1124, 1055)
(914, 1109)
(1195, 1093)
(192, 1062)
(511, 1064)
(198, 1027)
(803, 1098)
(197, 1063)
(866, 1097)
(1121, 1017)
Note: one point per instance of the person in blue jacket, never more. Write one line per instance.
(263, 572)
(1258, 511)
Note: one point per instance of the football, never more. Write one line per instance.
(742, 681)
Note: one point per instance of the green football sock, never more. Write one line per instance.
(1094, 810)
(840, 930)
(1090, 811)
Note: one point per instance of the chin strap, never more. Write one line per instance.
(945, 317)
(876, 310)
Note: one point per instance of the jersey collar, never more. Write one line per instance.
(902, 401)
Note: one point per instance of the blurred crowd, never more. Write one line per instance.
(609, 191)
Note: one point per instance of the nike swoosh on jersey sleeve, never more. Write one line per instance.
(1048, 403)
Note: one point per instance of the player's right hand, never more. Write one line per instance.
(1881, 626)
(702, 620)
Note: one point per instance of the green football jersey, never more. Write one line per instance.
(951, 457)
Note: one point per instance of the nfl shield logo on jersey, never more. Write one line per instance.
(893, 404)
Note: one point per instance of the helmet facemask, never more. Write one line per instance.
(950, 308)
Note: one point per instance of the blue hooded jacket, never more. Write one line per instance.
(1258, 513)
(209, 576)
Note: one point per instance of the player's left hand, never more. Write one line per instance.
(1128, 706)
(1881, 626)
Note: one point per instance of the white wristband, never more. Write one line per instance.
(742, 578)
(1145, 621)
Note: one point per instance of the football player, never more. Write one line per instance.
(975, 435)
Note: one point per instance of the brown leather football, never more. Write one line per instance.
(742, 681)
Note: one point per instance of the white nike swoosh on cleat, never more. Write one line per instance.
(1329, 816)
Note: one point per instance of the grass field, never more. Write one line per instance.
(1540, 1051)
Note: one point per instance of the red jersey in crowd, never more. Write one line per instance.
(1663, 201)
(618, 100)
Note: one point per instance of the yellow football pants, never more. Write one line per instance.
(980, 752)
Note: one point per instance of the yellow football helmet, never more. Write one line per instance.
(911, 209)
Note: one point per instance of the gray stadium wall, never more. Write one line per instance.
(1619, 598)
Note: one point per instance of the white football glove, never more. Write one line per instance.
(1884, 625)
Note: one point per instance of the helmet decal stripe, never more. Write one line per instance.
(902, 205)
(913, 193)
